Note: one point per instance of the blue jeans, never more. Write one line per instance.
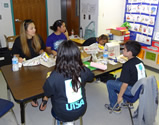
(113, 86)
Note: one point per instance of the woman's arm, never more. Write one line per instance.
(49, 51)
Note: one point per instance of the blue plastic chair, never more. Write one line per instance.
(132, 99)
(5, 106)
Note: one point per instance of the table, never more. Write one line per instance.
(27, 83)
(78, 41)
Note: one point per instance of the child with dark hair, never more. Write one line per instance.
(66, 84)
(132, 71)
(59, 35)
(102, 39)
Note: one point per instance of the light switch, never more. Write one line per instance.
(6, 5)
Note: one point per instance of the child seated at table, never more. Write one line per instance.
(66, 84)
(132, 71)
(100, 40)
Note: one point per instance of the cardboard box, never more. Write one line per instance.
(85, 56)
(118, 38)
(117, 32)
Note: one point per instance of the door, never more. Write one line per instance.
(73, 19)
(31, 9)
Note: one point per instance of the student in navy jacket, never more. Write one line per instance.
(66, 84)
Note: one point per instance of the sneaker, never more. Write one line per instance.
(115, 110)
(126, 104)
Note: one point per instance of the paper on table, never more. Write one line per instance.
(50, 62)
(32, 62)
(98, 65)
(122, 59)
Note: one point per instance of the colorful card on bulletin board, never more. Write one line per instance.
(87, 64)
(141, 14)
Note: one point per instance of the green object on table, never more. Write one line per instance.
(87, 64)
(126, 24)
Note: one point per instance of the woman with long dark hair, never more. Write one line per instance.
(66, 84)
(59, 35)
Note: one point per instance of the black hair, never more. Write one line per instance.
(56, 24)
(69, 62)
(103, 37)
(133, 46)
(26, 23)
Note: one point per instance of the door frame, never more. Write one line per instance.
(13, 22)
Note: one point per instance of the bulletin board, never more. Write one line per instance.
(141, 14)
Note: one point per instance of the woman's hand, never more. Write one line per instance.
(20, 59)
(41, 51)
(66, 34)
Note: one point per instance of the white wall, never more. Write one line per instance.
(6, 26)
(89, 7)
(107, 14)
(54, 12)
(111, 14)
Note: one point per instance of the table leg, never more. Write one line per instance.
(22, 111)
(8, 93)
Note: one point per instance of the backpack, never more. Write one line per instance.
(88, 31)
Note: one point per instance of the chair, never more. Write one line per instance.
(5, 106)
(10, 40)
(132, 99)
(61, 123)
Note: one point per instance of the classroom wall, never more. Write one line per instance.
(54, 12)
(6, 26)
(110, 15)
(156, 30)
(89, 8)
(105, 13)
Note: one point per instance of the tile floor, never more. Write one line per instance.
(96, 113)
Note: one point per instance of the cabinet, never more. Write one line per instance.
(5, 56)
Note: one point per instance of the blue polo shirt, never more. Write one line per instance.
(54, 40)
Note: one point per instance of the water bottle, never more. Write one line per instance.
(15, 66)
(105, 54)
(72, 32)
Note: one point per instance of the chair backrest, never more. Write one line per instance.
(5, 106)
(10, 40)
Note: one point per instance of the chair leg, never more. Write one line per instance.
(14, 117)
(131, 115)
(81, 121)
(55, 122)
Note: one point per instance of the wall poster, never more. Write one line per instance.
(141, 14)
